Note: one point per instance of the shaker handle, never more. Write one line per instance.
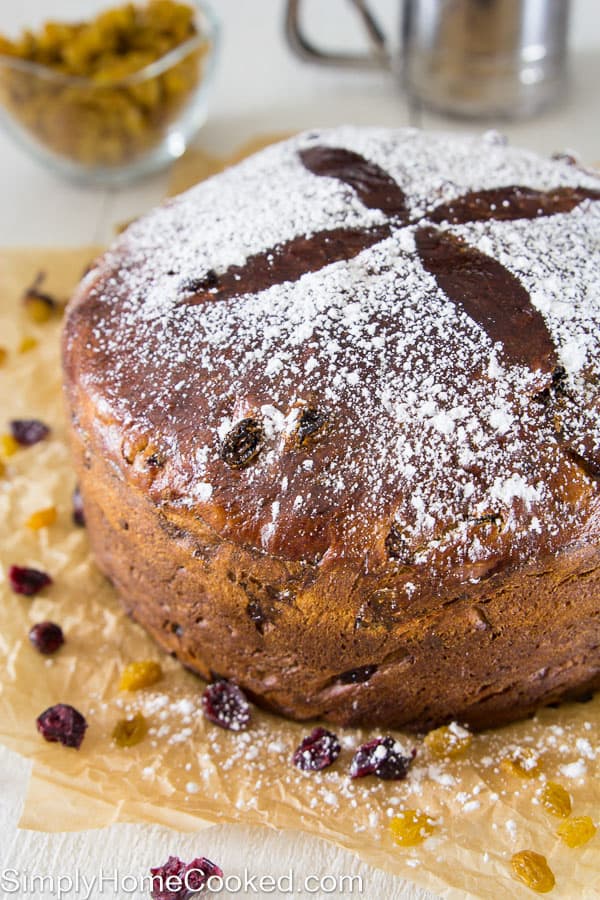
(378, 58)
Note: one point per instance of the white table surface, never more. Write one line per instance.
(260, 88)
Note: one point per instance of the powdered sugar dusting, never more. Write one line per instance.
(433, 429)
(454, 791)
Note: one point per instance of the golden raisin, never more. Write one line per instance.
(533, 870)
(449, 741)
(116, 107)
(8, 445)
(523, 763)
(556, 800)
(129, 732)
(2, 469)
(27, 343)
(576, 831)
(3, 355)
(38, 310)
(39, 305)
(41, 518)
(411, 827)
(140, 674)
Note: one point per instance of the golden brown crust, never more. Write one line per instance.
(367, 506)
(486, 655)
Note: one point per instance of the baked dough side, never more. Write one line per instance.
(488, 655)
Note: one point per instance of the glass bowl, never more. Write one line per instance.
(113, 132)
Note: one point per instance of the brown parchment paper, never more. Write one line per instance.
(188, 774)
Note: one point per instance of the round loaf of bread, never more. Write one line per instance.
(335, 417)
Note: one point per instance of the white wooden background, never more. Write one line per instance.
(259, 88)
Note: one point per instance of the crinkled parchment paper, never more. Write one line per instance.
(187, 773)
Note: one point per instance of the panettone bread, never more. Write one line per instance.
(335, 416)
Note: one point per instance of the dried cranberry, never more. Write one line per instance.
(243, 443)
(198, 872)
(47, 637)
(382, 757)
(167, 880)
(317, 751)
(27, 581)
(225, 704)
(176, 880)
(63, 724)
(27, 432)
(78, 513)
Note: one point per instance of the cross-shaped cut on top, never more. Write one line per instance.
(477, 283)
